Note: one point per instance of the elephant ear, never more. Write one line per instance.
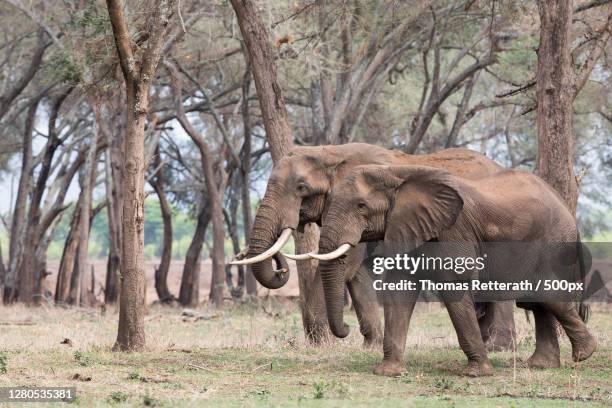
(425, 202)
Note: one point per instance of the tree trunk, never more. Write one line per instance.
(113, 158)
(37, 222)
(73, 292)
(19, 214)
(2, 270)
(555, 95)
(215, 195)
(88, 173)
(190, 288)
(261, 59)
(231, 220)
(66, 268)
(137, 76)
(131, 334)
(161, 273)
(276, 122)
(247, 216)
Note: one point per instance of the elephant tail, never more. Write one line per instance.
(584, 310)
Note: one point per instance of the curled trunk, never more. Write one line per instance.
(264, 234)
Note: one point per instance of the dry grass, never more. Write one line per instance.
(246, 357)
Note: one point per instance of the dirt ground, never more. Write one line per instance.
(253, 354)
(291, 289)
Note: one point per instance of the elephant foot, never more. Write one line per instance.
(390, 368)
(544, 360)
(478, 369)
(583, 348)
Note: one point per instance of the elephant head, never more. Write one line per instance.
(398, 204)
(295, 195)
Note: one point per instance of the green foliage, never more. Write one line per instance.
(82, 359)
(117, 397)
(323, 389)
(319, 389)
(444, 384)
(61, 66)
(3, 364)
(94, 21)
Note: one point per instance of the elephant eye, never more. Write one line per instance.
(302, 188)
(362, 206)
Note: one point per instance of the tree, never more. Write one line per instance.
(138, 75)
(161, 272)
(279, 137)
(557, 87)
(212, 190)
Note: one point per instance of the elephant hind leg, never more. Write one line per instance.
(496, 322)
(546, 354)
(583, 342)
(463, 316)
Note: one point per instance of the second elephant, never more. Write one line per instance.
(412, 205)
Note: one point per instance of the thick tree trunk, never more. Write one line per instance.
(138, 76)
(35, 230)
(276, 123)
(261, 59)
(18, 221)
(131, 336)
(555, 95)
(161, 273)
(190, 288)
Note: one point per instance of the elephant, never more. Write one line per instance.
(413, 205)
(297, 194)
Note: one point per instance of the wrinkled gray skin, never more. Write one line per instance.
(297, 194)
(415, 204)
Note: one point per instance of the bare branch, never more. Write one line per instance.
(585, 71)
(122, 39)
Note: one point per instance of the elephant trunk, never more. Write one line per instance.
(264, 234)
(332, 275)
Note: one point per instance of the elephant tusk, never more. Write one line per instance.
(342, 249)
(280, 242)
(298, 257)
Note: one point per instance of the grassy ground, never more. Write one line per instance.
(246, 356)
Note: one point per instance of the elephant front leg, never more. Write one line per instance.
(314, 316)
(366, 308)
(460, 308)
(397, 319)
